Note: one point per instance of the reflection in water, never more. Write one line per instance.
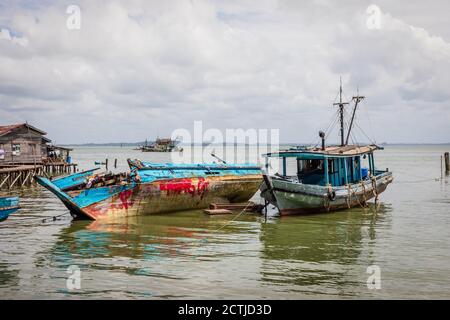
(316, 253)
(150, 252)
(301, 253)
(8, 277)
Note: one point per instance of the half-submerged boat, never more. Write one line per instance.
(8, 205)
(326, 178)
(153, 188)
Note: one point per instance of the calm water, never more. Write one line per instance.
(192, 255)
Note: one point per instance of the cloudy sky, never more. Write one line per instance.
(136, 69)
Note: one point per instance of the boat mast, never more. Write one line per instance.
(341, 111)
(357, 99)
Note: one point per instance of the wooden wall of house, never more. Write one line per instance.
(32, 147)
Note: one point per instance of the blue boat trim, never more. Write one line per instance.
(73, 180)
(150, 172)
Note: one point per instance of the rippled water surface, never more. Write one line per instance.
(193, 255)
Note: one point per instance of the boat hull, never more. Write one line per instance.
(293, 198)
(8, 205)
(164, 196)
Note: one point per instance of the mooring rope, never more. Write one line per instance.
(374, 187)
(349, 197)
(364, 192)
(31, 219)
(234, 218)
(354, 193)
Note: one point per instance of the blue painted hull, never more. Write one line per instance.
(154, 188)
(8, 205)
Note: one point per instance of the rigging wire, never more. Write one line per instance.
(332, 122)
(332, 127)
(370, 123)
(356, 125)
(364, 133)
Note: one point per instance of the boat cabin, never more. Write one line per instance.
(333, 165)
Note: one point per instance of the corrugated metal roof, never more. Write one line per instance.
(349, 150)
(8, 128)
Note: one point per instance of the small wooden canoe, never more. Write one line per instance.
(8, 205)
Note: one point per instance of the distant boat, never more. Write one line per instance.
(327, 178)
(8, 205)
(162, 145)
(154, 188)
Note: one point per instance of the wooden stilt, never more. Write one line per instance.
(447, 162)
(14, 182)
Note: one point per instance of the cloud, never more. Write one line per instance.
(136, 69)
(5, 34)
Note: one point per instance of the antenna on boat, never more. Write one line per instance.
(341, 111)
(357, 99)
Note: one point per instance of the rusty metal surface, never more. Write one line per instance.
(174, 195)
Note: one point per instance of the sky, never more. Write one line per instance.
(138, 69)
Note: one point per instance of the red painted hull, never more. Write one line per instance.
(171, 195)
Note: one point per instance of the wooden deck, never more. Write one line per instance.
(22, 175)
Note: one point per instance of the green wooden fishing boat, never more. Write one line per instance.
(326, 178)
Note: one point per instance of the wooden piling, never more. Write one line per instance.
(115, 163)
(16, 176)
(106, 163)
(447, 162)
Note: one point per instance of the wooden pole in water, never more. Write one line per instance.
(106, 163)
(447, 162)
(115, 163)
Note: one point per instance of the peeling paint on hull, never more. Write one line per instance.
(292, 198)
(155, 197)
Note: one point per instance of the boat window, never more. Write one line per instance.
(312, 166)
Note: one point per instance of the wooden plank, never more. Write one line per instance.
(18, 168)
(232, 206)
(217, 211)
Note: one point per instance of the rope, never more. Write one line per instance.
(417, 181)
(362, 205)
(349, 196)
(364, 192)
(327, 201)
(374, 187)
(235, 217)
(31, 219)
(54, 218)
